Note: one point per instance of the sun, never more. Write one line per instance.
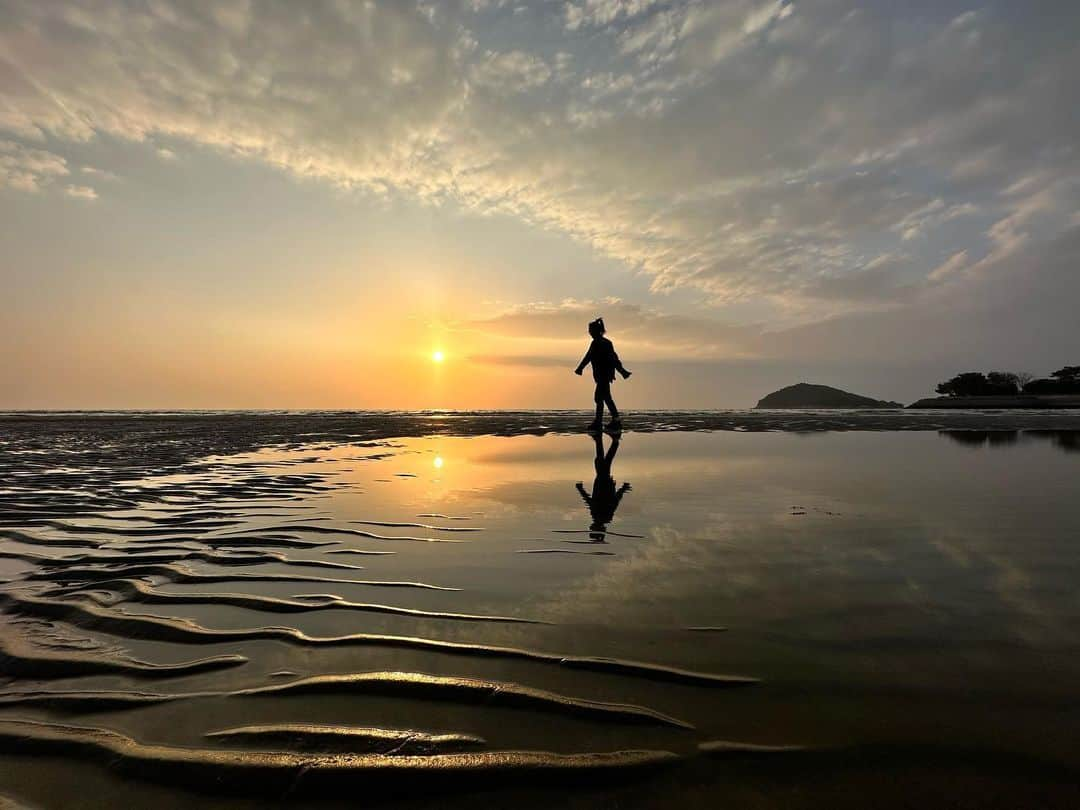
(437, 356)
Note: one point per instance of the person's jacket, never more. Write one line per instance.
(605, 362)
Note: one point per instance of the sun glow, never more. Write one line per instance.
(438, 462)
(437, 356)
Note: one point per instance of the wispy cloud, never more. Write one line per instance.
(28, 169)
(509, 72)
(756, 150)
(81, 192)
(651, 333)
(518, 360)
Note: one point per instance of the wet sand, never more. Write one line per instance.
(417, 609)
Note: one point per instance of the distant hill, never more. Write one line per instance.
(807, 395)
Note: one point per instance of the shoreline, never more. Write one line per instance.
(123, 443)
(311, 609)
(1053, 402)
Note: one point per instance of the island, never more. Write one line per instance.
(995, 403)
(998, 390)
(809, 395)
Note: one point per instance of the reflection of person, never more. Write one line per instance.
(605, 362)
(605, 498)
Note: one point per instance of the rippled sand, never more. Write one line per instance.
(287, 605)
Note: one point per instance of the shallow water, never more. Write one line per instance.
(840, 592)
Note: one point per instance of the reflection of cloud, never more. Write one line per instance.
(1026, 610)
(674, 576)
(662, 568)
(877, 569)
(524, 496)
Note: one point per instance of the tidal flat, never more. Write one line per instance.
(749, 609)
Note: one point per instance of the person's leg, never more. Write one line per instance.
(598, 398)
(609, 458)
(611, 406)
(599, 461)
(603, 397)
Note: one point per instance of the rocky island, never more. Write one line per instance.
(808, 395)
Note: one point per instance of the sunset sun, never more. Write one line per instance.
(437, 356)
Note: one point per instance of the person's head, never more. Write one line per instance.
(596, 328)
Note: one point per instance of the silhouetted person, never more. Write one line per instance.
(605, 362)
(605, 498)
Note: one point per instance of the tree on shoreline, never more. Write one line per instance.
(1005, 382)
(1010, 383)
(1023, 378)
(1063, 381)
(1069, 375)
(977, 384)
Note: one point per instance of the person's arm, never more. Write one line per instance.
(584, 495)
(619, 366)
(584, 361)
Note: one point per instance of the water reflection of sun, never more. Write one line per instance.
(438, 462)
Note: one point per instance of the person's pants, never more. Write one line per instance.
(602, 397)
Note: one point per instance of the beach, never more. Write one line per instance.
(759, 608)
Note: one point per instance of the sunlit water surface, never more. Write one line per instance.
(883, 588)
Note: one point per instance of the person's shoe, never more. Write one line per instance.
(593, 427)
(614, 424)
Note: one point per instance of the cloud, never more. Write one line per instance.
(591, 13)
(651, 333)
(28, 169)
(1001, 316)
(519, 361)
(950, 267)
(510, 72)
(81, 192)
(880, 282)
(98, 173)
(764, 153)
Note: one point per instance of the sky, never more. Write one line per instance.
(297, 204)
